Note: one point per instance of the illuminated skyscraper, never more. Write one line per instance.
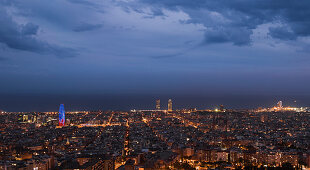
(169, 105)
(158, 104)
(280, 104)
(62, 115)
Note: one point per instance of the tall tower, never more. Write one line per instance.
(169, 105)
(158, 104)
(280, 104)
(62, 115)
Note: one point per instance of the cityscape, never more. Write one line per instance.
(262, 138)
(154, 85)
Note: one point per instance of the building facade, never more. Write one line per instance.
(169, 105)
(158, 104)
(62, 115)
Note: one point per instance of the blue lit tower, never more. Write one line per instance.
(62, 115)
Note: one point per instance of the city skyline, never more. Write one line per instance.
(154, 85)
(148, 105)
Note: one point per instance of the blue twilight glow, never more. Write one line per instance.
(62, 115)
(149, 48)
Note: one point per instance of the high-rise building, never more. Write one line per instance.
(169, 105)
(279, 104)
(62, 115)
(158, 104)
(25, 118)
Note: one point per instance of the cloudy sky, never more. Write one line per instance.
(154, 48)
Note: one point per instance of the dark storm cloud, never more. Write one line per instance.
(23, 37)
(282, 33)
(238, 36)
(241, 17)
(82, 2)
(29, 29)
(87, 27)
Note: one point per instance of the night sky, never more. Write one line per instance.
(124, 54)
